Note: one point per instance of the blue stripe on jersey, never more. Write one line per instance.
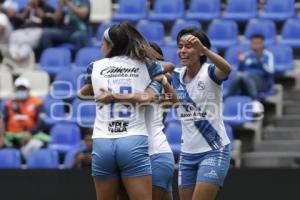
(156, 86)
(88, 74)
(212, 75)
(205, 128)
(154, 69)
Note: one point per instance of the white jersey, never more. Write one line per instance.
(120, 75)
(201, 110)
(154, 122)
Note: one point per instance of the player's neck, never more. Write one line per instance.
(191, 72)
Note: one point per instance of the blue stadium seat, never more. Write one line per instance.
(152, 31)
(278, 10)
(228, 82)
(181, 24)
(170, 54)
(65, 136)
(87, 55)
(43, 159)
(66, 84)
(291, 33)
(264, 27)
(173, 132)
(238, 110)
(54, 110)
(53, 3)
(69, 158)
(54, 60)
(204, 10)
(100, 30)
(22, 4)
(131, 10)
(166, 11)
(84, 112)
(283, 58)
(10, 158)
(231, 54)
(240, 10)
(223, 33)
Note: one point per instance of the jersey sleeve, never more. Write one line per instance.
(154, 69)
(212, 75)
(88, 74)
(156, 86)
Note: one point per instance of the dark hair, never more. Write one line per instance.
(200, 35)
(128, 41)
(257, 36)
(156, 48)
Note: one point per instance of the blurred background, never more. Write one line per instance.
(45, 143)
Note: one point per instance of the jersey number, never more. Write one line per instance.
(122, 114)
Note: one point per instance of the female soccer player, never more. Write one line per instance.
(205, 151)
(161, 156)
(120, 137)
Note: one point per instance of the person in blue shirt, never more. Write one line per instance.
(255, 71)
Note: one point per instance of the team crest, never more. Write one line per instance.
(200, 85)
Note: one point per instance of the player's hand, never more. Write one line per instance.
(196, 43)
(159, 78)
(106, 97)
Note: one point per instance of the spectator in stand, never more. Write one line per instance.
(72, 17)
(84, 157)
(10, 8)
(23, 119)
(255, 72)
(34, 17)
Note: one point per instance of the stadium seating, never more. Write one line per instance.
(54, 110)
(65, 136)
(173, 133)
(283, 58)
(69, 158)
(131, 10)
(87, 55)
(6, 84)
(278, 10)
(166, 11)
(65, 85)
(231, 54)
(83, 112)
(223, 33)
(203, 10)
(238, 113)
(10, 159)
(100, 30)
(39, 81)
(262, 27)
(240, 10)
(153, 31)
(291, 33)
(170, 54)
(43, 159)
(179, 25)
(21, 4)
(53, 3)
(54, 60)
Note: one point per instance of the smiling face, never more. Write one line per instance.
(105, 47)
(189, 56)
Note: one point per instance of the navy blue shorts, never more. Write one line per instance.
(120, 157)
(162, 170)
(208, 167)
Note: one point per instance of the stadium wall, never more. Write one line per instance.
(241, 184)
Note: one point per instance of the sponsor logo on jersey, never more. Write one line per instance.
(118, 126)
(113, 71)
